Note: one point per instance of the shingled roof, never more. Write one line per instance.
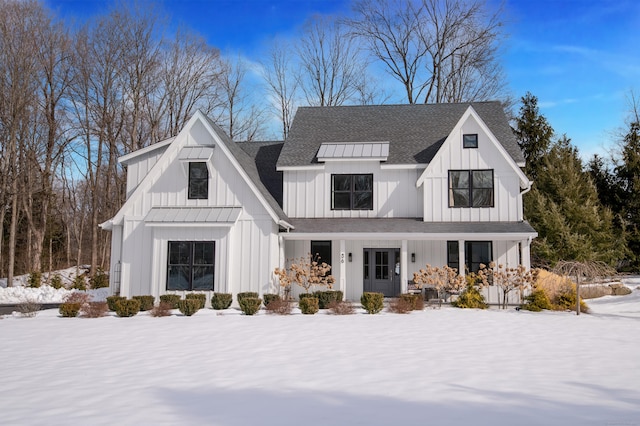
(414, 132)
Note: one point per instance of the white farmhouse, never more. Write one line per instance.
(377, 191)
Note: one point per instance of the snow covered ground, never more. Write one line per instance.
(440, 366)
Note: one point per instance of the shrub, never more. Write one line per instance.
(100, 279)
(415, 300)
(29, 308)
(341, 308)
(537, 301)
(146, 302)
(246, 294)
(566, 299)
(171, 299)
(79, 283)
(56, 281)
(470, 298)
(308, 305)
(94, 309)
(249, 305)
(279, 307)
(200, 297)
(372, 302)
(401, 305)
(189, 306)
(220, 301)
(127, 308)
(35, 279)
(326, 297)
(69, 309)
(270, 297)
(303, 295)
(77, 297)
(112, 300)
(162, 310)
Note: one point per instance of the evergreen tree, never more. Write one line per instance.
(534, 134)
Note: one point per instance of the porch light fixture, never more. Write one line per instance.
(350, 257)
(413, 258)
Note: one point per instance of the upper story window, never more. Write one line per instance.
(470, 141)
(198, 181)
(352, 192)
(470, 188)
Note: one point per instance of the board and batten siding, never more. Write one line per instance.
(138, 168)
(451, 156)
(307, 193)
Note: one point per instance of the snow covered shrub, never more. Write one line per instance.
(328, 296)
(162, 310)
(416, 300)
(172, 299)
(247, 294)
(127, 308)
(269, 297)
(146, 302)
(220, 301)
(470, 298)
(537, 301)
(29, 308)
(249, 305)
(100, 279)
(341, 307)
(200, 297)
(35, 279)
(279, 307)
(69, 309)
(56, 281)
(372, 302)
(111, 301)
(94, 309)
(308, 305)
(189, 306)
(400, 306)
(79, 283)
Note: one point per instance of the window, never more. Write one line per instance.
(190, 265)
(475, 253)
(198, 181)
(352, 192)
(470, 188)
(469, 141)
(321, 250)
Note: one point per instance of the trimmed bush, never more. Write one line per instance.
(94, 309)
(341, 308)
(326, 297)
(189, 306)
(470, 298)
(79, 283)
(35, 279)
(171, 299)
(246, 294)
(270, 297)
(56, 281)
(537, 301)
(99, 280)
(415, 301)
(69, 309)
(112, 300)
(303, 295)
(372, 302)
(249, 305)
(220, 301)
(279, 307)
(200, 297)
(401, 305)
(566, 300)
(127, 308)
(146, 302)
(162, 310)
(308, 305)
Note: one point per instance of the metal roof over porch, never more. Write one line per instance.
(170, 216)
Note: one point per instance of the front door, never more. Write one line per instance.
(382, 271)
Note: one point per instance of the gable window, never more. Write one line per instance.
(198, 181)
(190, 265)
(352, 192)
(470, 141)
(470, 188)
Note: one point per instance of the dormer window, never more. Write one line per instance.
(470, 141)
(198, 181)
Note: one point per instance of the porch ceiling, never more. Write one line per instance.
(407, 228)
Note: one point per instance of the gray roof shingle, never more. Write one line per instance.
(415, 132)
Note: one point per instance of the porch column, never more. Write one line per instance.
(343, 267)
(462, 262)
(403, 267)
(525, 249)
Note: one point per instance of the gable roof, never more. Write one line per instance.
(414, 132)
(265, 155)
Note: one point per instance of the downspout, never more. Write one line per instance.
(527, 189)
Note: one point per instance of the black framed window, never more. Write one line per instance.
(475, 253)
(321, 250)
(470, 141)
(198, 181)
(352, 192)
(190, 265)
(471, 188)
(453, 255)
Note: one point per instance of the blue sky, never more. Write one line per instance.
(581, 58)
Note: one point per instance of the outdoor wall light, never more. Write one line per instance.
(350, 257)
(413, 258)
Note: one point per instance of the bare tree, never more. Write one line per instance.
(581, 271)
(282, 84)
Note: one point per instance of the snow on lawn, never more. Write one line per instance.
(439, 366)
